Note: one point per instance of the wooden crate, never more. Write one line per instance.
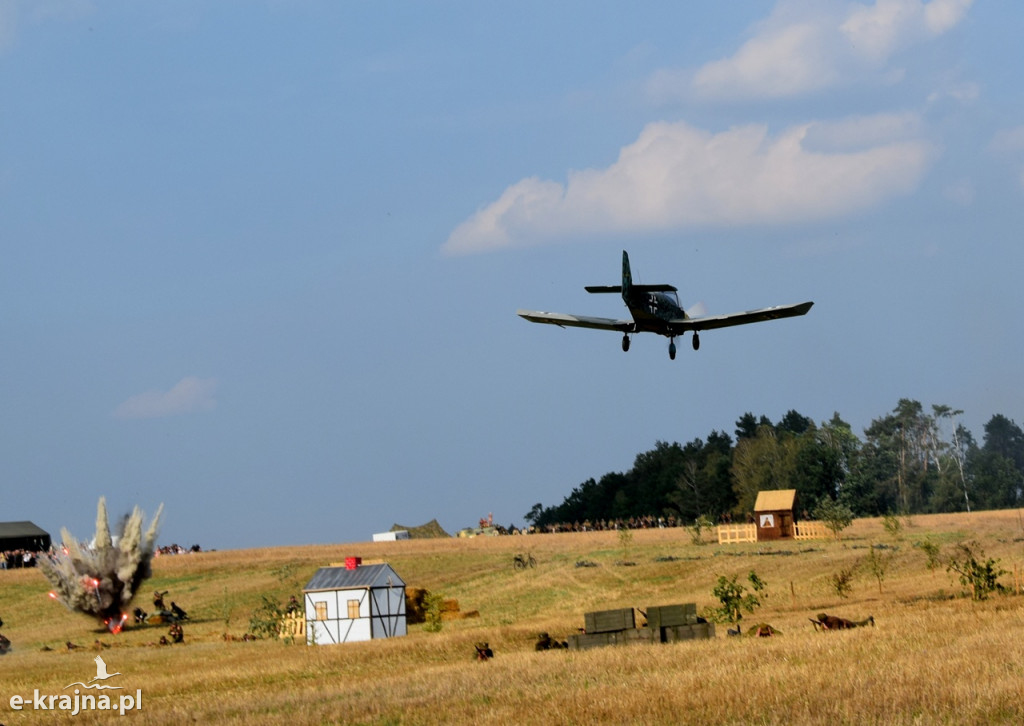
(659, 616)
(696, 631)
(585, 641)
(609, 621)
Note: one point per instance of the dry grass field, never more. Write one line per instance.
(934, 656)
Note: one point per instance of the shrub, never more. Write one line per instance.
(702, 524)
(842, 582)
(893, 525)
(432, 603)
(878, 564)
(931, 552)
(834, 515)
(265, 621)
(625, 541)
(979, 574)
(735, 599)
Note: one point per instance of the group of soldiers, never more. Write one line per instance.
(162, 615)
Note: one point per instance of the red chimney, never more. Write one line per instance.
(352, 563)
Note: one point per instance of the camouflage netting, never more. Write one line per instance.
(101, 580)
(424, 531)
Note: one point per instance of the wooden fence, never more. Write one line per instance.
(732, 533)
(293, 625)
(810, 530)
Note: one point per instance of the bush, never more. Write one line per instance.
(931, 551)
(878, 564)
(266, 619)
(842, 582)
(432, 603)
(893, 525)
(835, 516)
(734, 599)
(981, 576)
(702, 524)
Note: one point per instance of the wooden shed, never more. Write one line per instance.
(354, 602)
(773, 514)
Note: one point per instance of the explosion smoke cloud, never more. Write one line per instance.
(101, 580)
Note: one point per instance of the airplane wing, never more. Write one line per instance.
(711, 322)
(575, 321)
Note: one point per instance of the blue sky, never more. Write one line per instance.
(261, 261)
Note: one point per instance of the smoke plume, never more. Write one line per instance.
(101, 579)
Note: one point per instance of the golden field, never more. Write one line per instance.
(935, 656)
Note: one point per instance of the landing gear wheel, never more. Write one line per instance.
(672, 350)
(625, 343)
(696, 341)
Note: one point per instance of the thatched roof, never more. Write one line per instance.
(775, 500)
(431, 529)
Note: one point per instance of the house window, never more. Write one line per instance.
(353, 609)
(321, 611)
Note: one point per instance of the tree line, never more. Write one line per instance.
(908, 461)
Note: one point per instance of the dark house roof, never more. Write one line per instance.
(364, 576)
(23, 536)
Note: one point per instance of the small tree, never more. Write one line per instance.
(265, 621)
(625, 541)
(834, 515)
(432, 603)
(735, 599)
(878, 564)
(931, 552)
(981, 576)
(842, 582)
(893, 525)
(700, 525)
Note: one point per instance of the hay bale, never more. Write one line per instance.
(415, 605)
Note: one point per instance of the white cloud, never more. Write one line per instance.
(942, 15)
(807, 46)
(188, 395)
(858, 132)
(780, 61)
(675, 176)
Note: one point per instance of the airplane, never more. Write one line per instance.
(655, 309)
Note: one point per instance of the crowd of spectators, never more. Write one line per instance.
(14, 559)
(599, 525)
(177, 549)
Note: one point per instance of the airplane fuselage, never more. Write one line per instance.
(651, 311)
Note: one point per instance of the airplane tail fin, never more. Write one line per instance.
(627, 288)
(627, 277)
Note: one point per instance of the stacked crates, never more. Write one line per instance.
(665, 624)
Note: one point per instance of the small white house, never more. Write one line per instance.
(392, 536)
(355, 602)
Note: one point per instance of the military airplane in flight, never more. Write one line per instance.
(655, 309)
